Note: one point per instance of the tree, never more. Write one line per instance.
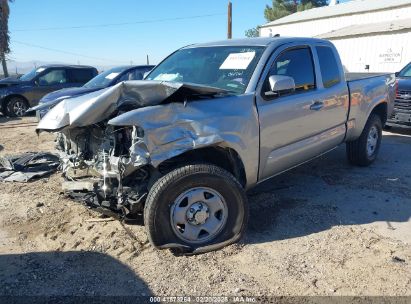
(4, 33)
(282, 8)
(253, 32)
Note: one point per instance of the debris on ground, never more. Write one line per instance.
(305, 237)
(398, 259)
(27, 166)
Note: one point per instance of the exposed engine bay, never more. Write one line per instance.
(99, 171)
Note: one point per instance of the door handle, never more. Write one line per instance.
(317, 105)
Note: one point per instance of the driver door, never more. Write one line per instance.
(295, 126)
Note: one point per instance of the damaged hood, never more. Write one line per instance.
(100, 105)
(10, 82)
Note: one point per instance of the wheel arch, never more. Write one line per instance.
(382, 111)
(6, 99)
(224, 157)
(360, 119)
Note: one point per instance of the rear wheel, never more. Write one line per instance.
(16, 107)
(364, 150)
(196, 206)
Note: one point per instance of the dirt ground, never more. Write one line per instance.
(325, 228)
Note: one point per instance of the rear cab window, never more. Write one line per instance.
(330, 72)
(81, 75)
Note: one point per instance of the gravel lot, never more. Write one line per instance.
(325, 228)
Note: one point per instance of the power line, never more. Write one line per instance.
(64, 52)
(115, 24)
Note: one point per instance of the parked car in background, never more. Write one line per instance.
(101, 81)
(401, 115)
(19, 94)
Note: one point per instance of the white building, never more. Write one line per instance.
(373, 34)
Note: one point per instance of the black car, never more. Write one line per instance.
(101, 81)
(401, 115)
(19, 94)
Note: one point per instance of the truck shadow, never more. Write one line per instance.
(329, 192)
(58, 274)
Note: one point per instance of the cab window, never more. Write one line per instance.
(298, 64)
(81, 75)
(328, 66)
(53, 77)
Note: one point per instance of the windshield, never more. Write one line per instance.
(105, 78)
(405, 72)
(32, 74)
(225, 67)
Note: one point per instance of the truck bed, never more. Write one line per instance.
(366, 91)
(358, 76)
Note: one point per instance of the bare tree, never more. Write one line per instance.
(4, 34)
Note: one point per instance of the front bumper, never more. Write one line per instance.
(401, 115)
(399, 119)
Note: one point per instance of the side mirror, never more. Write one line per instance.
(397, 74)
(36, 82)
(279, 83)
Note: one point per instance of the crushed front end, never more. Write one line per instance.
(100, 169)
(110, 164)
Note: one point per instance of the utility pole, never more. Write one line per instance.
(148, 60)
(230, 21)
(3, 42)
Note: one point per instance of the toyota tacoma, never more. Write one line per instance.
(210, 122)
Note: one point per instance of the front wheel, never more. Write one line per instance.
(16, 107)
(364, 150)
(196, 208)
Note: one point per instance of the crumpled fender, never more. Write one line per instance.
(172, 129)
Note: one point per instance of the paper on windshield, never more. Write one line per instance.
(238, 61)
(112, 75)
(168, 77)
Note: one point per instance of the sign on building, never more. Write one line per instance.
(391, 55)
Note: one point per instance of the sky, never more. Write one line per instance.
(149, 27)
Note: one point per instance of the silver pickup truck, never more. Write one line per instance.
(208, 123)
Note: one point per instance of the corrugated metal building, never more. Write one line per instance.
(370, 35)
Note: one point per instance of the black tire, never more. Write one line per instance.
(16, 107)
(162, 196)
(357, 152)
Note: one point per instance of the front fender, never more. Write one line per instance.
(172, 129)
